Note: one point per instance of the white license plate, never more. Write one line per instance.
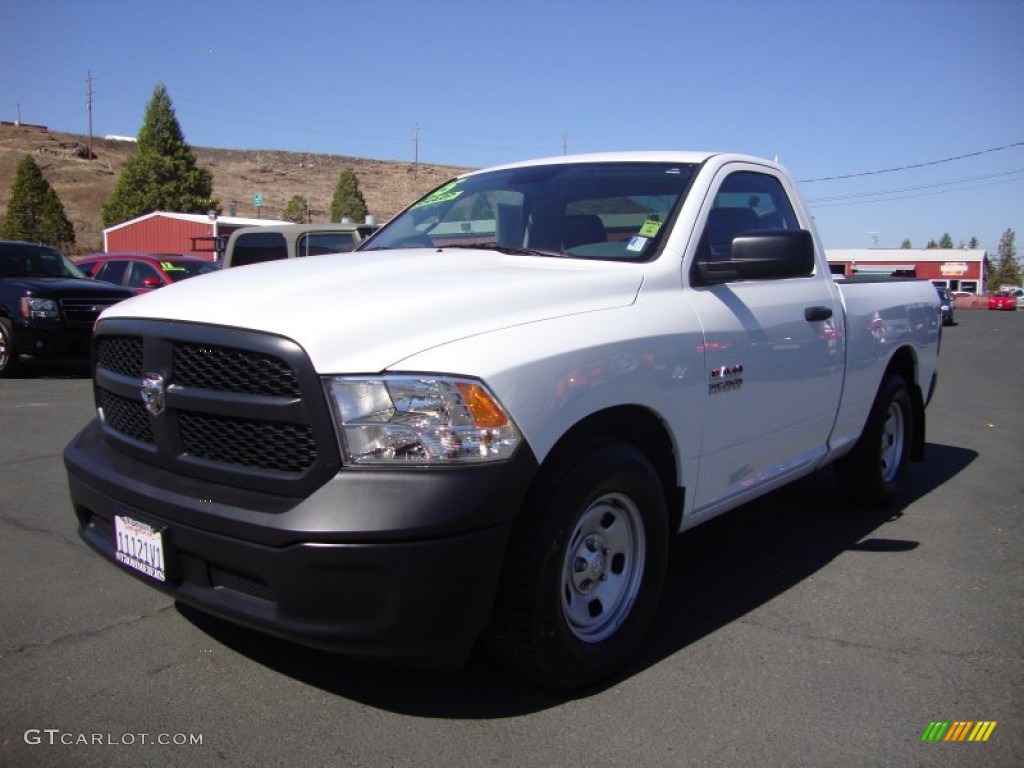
(139, 546)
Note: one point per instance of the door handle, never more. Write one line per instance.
(817, 314)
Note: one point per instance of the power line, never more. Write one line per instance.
(897, 190)
(915, 165)
(818, 206)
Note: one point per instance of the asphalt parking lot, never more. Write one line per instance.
(793, 632)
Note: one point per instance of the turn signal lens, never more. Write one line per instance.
(486, 411)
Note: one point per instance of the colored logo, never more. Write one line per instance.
(959, 730)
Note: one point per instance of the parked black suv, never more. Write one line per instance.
(47, 305)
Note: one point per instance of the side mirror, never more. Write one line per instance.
(760, 255)
(151, 282)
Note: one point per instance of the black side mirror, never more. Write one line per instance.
(760, 255)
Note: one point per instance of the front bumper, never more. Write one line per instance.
(51, 340)
(391, 564)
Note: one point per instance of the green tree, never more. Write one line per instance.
(1005, 270)
(296, 210)
(56, 228)
(946, 241)
(348, 200)
(161, 175)
(34, 212)
(973, 243)
(932, 244)
(906, 244)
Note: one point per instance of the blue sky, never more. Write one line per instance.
(830, 88)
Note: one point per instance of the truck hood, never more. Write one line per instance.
(365, 312)
(57, 287)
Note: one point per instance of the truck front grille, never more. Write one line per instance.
(127, 416)
(233, 370)
(277, 447)
(121, 354)
(82, 311)
(237, 407)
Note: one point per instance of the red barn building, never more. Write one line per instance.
(958, 269)
(195, 234)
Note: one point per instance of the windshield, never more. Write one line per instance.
(606, 210)
(179, 270)
(26, 260)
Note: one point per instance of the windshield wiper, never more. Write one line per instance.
(511, 250)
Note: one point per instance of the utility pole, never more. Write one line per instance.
(88, 101)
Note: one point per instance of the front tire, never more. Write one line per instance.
(585, 567)
(872, 474)
(8, 351)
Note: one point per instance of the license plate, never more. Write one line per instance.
(139, 546)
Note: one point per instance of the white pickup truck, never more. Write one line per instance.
(489, 421)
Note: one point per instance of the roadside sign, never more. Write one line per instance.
(257, 200)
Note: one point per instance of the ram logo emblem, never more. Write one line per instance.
(154, 393)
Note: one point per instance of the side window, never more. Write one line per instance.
(140, 273)
(745, 201)
(257, 247)
(112, 272)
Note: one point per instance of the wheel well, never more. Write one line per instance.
(647, 432)
(904, 363)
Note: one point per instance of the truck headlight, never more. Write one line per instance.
(35, 308)
(424, 420)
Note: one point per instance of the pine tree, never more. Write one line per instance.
(56, 229)
(296, 210)
(34, 212)
(348, 200)
(946, 241)
(162, 173)
(1006, 270)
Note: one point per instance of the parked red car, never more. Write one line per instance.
(1002, 300)
(142, 272)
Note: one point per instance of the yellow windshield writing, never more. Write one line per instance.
(442, 195)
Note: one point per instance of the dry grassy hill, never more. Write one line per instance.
(83, 184)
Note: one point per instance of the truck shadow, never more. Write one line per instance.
(717, 573)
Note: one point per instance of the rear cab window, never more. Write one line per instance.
(317, 243)
(257, 247)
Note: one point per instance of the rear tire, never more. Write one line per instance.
(585, 567)
(872, 474)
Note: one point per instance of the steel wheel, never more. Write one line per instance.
(603, 567)
(872, 474)
(894, 440)
(585, 565)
